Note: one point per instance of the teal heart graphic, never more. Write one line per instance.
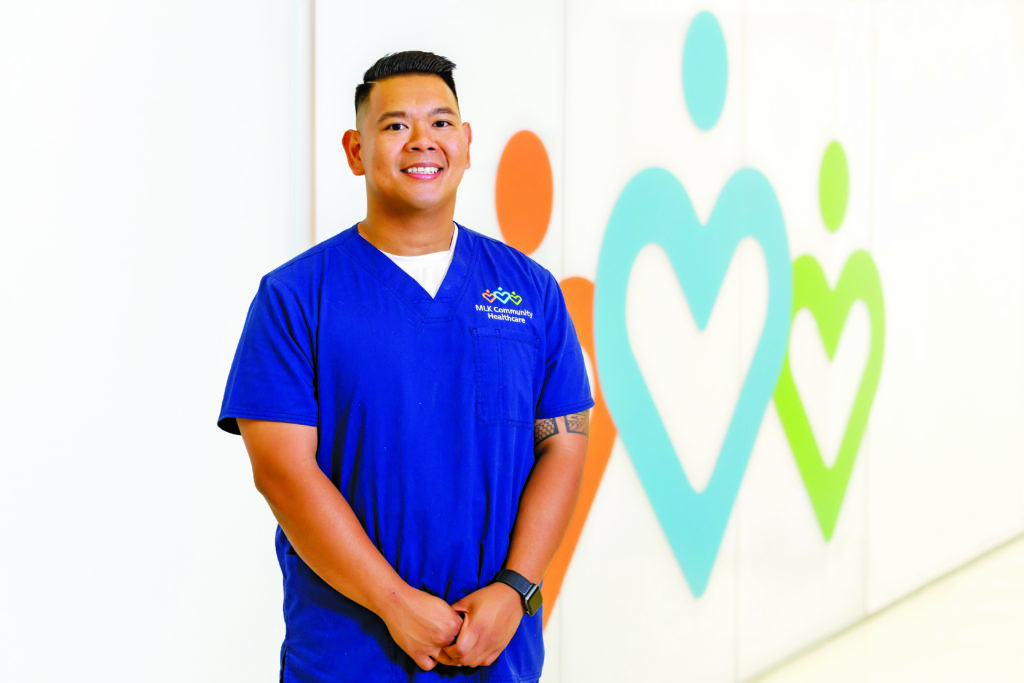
(654, 208)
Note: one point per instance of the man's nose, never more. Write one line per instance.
(421, 140)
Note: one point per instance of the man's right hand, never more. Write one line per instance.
(421, 625)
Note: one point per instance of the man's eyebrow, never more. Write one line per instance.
(401, 114)
(391, 115)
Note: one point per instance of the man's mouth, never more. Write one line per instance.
(422, 171)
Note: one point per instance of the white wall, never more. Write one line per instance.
(146, 175)
(156, 161)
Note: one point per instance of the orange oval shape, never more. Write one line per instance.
(579, 299)
(524, 191)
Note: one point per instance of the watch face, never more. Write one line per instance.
(533, 601)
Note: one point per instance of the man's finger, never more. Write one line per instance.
(462, 647)
(443, 658)
(425, 663)
(467, 639)
(463, 617)
(453, 654)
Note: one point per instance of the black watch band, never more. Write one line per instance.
(529, 592)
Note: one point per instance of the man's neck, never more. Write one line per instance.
(408, 235)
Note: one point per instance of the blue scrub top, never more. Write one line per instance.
(425, 410)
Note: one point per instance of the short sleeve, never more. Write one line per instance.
(566, 389)
(272, 375)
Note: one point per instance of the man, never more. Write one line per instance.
(414, 402)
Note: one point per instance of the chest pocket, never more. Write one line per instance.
(507, 363)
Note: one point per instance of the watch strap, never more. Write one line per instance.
(528, 592)
(516, 580)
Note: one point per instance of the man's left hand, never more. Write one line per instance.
(492, 615)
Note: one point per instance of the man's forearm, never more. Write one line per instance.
(494, 612)
(327, 535)
(316, 518)
(550, 495)
(320, 524)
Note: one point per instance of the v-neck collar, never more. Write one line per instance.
(437, 309)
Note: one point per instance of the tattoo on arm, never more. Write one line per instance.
(542, 429)
(577, 423)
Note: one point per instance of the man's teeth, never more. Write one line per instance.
(429, 170)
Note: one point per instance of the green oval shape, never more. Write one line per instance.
(833, 186)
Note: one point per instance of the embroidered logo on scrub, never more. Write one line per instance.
(502, 297)
(509, 315)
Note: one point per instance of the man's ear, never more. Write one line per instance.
(469, 139)
(353, 145)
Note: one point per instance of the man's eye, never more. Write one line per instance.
(394, 126)
(442, 124)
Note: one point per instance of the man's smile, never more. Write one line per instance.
(423, 171)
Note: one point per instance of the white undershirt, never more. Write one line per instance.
(427, 269)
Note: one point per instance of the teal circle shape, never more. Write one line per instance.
(705, 70)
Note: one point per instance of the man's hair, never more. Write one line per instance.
(408, 62)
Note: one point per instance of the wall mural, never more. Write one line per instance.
(654, 208)
(830, 308)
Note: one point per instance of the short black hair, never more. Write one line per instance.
(408, 62)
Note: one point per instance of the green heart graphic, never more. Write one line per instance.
(830, 308)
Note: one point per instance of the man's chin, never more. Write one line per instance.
(429, 205)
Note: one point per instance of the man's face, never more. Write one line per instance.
(411, 145)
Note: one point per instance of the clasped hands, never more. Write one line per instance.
(471, 632)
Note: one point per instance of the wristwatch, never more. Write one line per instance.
(529, 592)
